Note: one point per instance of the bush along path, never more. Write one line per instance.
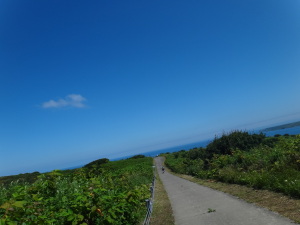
(271, 163)
(194, 204)
(100, 193)
(260, 164)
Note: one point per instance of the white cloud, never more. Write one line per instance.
(73, 100)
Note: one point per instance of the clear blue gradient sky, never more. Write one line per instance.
(82, 80)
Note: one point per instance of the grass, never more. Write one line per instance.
(162, 210)
(275, 202)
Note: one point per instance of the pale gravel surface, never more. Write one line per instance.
(191, 203)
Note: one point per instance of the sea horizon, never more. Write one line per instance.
(198, 144)
(203, 143)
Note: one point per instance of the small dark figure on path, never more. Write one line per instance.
(163, 169)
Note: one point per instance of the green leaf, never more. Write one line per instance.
(2, 221)
(112, 213)
(12, 223)
(71, 217)
(6, 205)
(109, 219)
(19, 204)
(15, 195)
(35, 197)
(80, 217)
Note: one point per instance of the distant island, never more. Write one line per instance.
(284, 126)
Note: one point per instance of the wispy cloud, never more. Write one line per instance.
(73, 100)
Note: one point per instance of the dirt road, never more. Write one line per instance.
(194, 204)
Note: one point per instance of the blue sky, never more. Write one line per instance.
(85, 80)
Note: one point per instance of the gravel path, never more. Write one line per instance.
(194, 204)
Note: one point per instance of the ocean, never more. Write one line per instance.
(178, 148)
(290, 131)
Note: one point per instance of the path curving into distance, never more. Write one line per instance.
(194, 204)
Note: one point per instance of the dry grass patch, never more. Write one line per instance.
(275, 202)
(162, 210)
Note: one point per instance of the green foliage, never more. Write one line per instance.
(21, 178)
(96, 163)
(137, 157)
(274, 164)
(234, 140)
(117, 196)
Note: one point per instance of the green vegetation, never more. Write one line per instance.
(100, 193)
(209, 210)
(21, 178)
(97, 163)
(137, 156)
(271, 163)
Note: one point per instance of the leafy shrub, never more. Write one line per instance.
(234, 140)
(21, 178)
(137, 157)
(96, 163)
(111, 198)
(274, 166)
